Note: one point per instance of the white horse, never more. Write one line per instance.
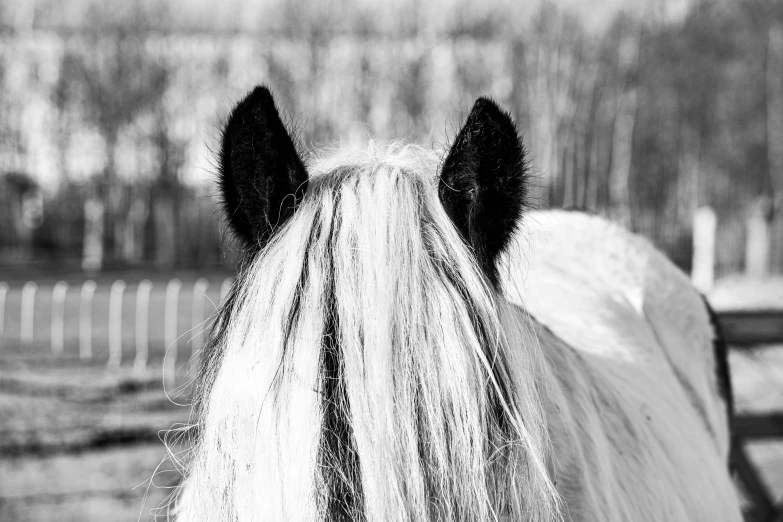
(405, 341)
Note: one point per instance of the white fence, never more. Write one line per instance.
(703, 274)
(30, 326)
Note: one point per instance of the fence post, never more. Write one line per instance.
(3, 294)
(170, 331)
(28, 312)
(703, 266)
(115, 323)
(757, 239)
(142, 318)
(57, 333)
(197, 319)
(85, 319)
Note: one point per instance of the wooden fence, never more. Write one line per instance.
(746, 330)
(56, 304)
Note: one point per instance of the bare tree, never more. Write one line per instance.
(117, 80)
(766, 212)
(551, 60)
(629, 37)
(774, 117)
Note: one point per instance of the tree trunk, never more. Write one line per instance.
(622, 132)
(108, 195)
(133, 244)
(165, 231)
(568, 169)
(774, 116)
(622, 155)
(588, 169)
(757, 240)
(92, 249)
(548, 68)
(688, 177)
(120, 219)
(544, 143)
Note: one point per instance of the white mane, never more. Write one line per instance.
(364, 370)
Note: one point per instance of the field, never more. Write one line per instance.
(80, 441)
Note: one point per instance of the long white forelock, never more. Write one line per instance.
(417, 375)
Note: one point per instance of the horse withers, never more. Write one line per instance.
(406, 341)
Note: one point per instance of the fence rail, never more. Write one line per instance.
(747, 330)
(119, 322)
(750, 328)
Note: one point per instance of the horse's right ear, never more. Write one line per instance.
(262, 177)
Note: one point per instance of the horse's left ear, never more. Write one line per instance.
(262, 177)
(483, 182)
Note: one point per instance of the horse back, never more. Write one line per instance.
(624, 327)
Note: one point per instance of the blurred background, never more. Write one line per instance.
(664, 115)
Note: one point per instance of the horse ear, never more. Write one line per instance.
(483, 182)
(262, 178)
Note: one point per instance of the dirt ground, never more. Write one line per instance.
(81, 443)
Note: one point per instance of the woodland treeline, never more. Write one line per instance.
(107, 128)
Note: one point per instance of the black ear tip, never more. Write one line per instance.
(261, 94)
(260, 98)
(485, 103)
(487, 109)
